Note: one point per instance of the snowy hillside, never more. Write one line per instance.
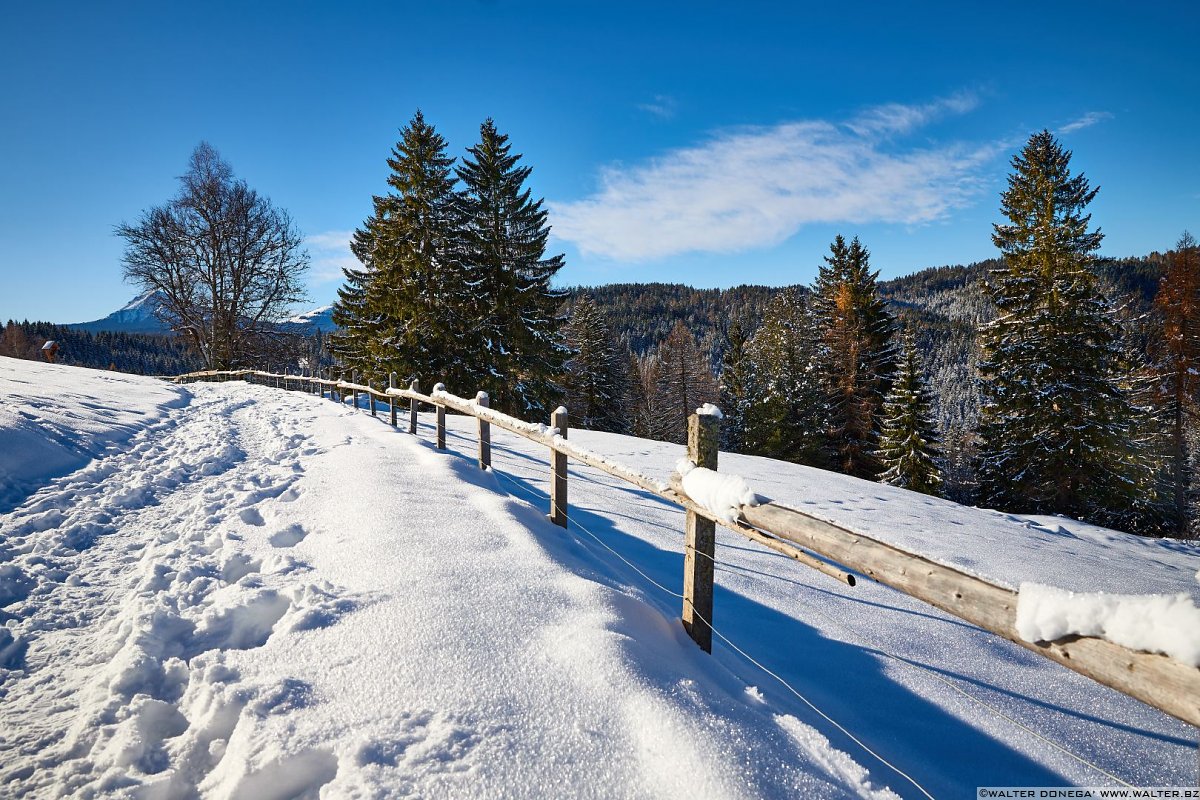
(55, 420)
(246, 593)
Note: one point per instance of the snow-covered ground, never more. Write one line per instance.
(246, 593)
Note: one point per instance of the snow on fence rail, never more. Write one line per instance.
(1167, 684)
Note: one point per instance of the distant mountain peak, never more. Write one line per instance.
(136, 316)
(318, 319)
(147, 299)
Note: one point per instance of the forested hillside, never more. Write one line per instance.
(942, 307)
(945, 306)
(139, 353)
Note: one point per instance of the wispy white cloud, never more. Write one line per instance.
(755, 187)
(330, 252)
(897, 118)
(1086, 121)
(663, 106)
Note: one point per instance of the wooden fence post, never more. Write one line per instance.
(441, 418)
(354, 392)
(371, 397)
(485, 432)
(558, 471)
(415, 387)
(700, 544)
(392, 397)
(341, 398)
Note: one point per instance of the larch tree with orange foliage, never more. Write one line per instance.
(1178, 300)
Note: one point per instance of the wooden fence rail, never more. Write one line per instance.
(1157, 680)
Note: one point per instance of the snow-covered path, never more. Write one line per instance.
(266, 595)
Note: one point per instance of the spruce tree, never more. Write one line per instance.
(908, 444)
(515, 310)
(1055, 425)
(735, 385)
(406, 306)
(595, 372)
(786, 416)
(1149, 508)
(356, 326)
(858, 355)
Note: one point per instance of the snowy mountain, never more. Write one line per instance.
(227, 590)
(319, 319)
(136, 316)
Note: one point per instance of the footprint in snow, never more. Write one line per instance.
(251, 516)
(290, 536)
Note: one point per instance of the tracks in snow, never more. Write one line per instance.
(125, 588)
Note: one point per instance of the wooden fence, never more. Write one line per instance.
(1156, 680)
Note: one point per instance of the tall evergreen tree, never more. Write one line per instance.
(1178, 300)
(595, 372)
(735, 385)
(787, 413)
(406, 307)
(356, 326)
(1149, 507)
(516, 322)
(858, 355)
(685, 382)
(908, 443)
(1054, 425)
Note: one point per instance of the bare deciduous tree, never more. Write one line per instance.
(225, 262)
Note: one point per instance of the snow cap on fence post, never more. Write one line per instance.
(700, 544)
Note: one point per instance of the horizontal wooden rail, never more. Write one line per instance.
(1158, 680)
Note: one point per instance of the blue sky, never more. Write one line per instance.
(707, 143)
